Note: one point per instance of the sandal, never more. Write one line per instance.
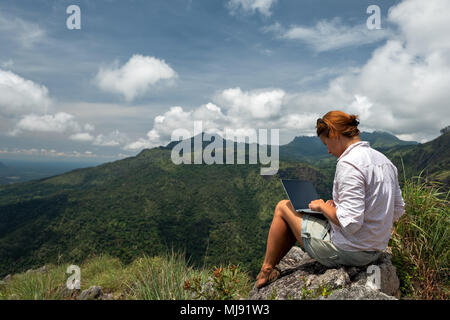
(267, 277)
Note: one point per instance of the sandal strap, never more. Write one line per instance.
(270, 275)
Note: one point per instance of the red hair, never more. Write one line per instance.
(335, 123)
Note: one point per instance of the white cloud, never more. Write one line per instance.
(403, 87)
(113, 139)
(251, 6)
(136, 77)
(60, 122)
(82, 137)
(139, 145)
(24, 33)
(424, 24)
(303, 122)
(163, 126)
(51, 153)
(19, 96)
(328, 35)
(236, 110)
(89, 127)
(257, 104)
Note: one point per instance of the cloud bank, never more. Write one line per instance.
(328, 35)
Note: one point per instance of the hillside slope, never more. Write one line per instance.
(144, 204)
(311, 149)
(432, 158)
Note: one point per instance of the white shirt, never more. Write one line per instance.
(368, 199)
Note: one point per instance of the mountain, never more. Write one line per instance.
(302, 148)
(382, 140)
(144, 204)
(431, 158)
(311, 149)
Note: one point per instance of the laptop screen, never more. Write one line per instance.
(300, 192)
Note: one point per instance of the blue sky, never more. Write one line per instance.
(137, 70)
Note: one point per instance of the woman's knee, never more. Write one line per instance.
(282, 206)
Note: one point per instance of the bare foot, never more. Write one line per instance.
(266, 276)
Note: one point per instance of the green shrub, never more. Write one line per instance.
(420, 241)
(224, 284)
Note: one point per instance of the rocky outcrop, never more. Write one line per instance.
(304, 278)
(42, 269)
(94, 292)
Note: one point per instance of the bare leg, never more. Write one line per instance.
(284, 231)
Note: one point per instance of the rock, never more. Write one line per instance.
(92, 293)
(358, 292)
(62, 292)
(390, 284)
(107, 296)
(42, 269)
(304, 278)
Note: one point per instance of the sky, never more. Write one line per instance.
(132, 72)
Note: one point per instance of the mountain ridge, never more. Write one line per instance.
(147, 204)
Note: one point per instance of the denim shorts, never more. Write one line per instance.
(317, 243)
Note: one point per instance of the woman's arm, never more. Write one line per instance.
(327, 208)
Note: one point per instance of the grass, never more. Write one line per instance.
(420, 241)
(147, 278)
(35, 286)
(159, 278)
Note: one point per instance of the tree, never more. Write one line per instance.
(445, 130)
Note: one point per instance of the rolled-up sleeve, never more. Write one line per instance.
(351, 190)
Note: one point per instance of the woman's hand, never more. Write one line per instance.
(330, 203)
(319, 204)
(316, 205)
(327, 208)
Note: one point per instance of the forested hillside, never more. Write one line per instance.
(146, 205)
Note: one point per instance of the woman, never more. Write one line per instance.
(366, 201)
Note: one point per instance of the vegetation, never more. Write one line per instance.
(431, 159)
(420, 241)
(227, 283)
(146, 278)
(120, 219)
(217, 214)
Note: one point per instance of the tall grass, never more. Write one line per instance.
(420, 241)
(147, 278)
(159, 278)
(35, 285)
(165, 278)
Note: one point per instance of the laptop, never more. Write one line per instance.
(301, 193)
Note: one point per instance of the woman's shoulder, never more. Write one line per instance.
(364, 153)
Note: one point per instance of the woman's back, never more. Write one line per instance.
(368, 198)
